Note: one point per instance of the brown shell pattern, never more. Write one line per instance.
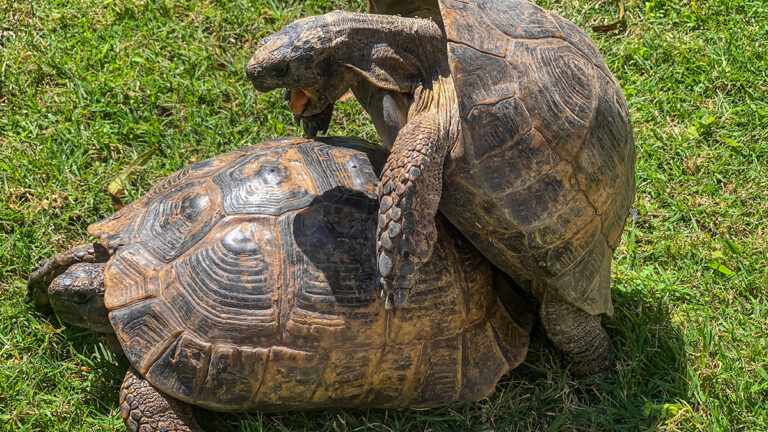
(248, 282)
(545, 176)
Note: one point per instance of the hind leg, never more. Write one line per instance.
(144, 409)
(577, 333)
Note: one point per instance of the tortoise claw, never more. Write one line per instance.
(396, 294)
(402, 297)
(388, 303)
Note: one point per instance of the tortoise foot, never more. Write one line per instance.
(144, 409)
(580, 335)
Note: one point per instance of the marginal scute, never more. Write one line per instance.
(131, 275)
(477, 279)
(511, 322)
(393, 376)
(601, 159)
(483, 362)
(598, 297)
(290, 379)
(435, 382)
(234, 374)
(581, 284)
(614, 219)
(346, 377)
(145, 330)
(181, 369)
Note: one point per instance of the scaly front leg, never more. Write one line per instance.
(409, 194)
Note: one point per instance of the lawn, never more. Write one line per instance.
(87, 86)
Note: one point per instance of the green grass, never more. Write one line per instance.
(86, 86)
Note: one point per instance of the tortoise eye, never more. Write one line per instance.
(280, 70)
(81, 297)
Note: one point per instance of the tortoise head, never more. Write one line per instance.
(77, 297)
(303, 57)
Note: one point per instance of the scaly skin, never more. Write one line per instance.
(579, 334)
(144, 409)
(77, 296)
(410, 185)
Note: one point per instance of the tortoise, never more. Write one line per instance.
(502, 112)
(247, 282)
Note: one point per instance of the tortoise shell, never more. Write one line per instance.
(247, 282)
(543, 176)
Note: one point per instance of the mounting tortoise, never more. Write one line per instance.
(247, 282)
(502, 112)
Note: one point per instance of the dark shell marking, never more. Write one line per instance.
(251, 284)
(546, 177)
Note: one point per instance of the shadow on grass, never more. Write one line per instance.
(647, 390)
(651, 372)
(106, 369)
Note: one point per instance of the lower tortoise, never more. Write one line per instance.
(247, 282)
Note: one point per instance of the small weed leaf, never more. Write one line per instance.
(721, 268)
(731, 246)
(730, 141)
(667, 411)
(117, 186)
(604, 28)
(705, 123)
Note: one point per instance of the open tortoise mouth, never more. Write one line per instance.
(298, 102)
